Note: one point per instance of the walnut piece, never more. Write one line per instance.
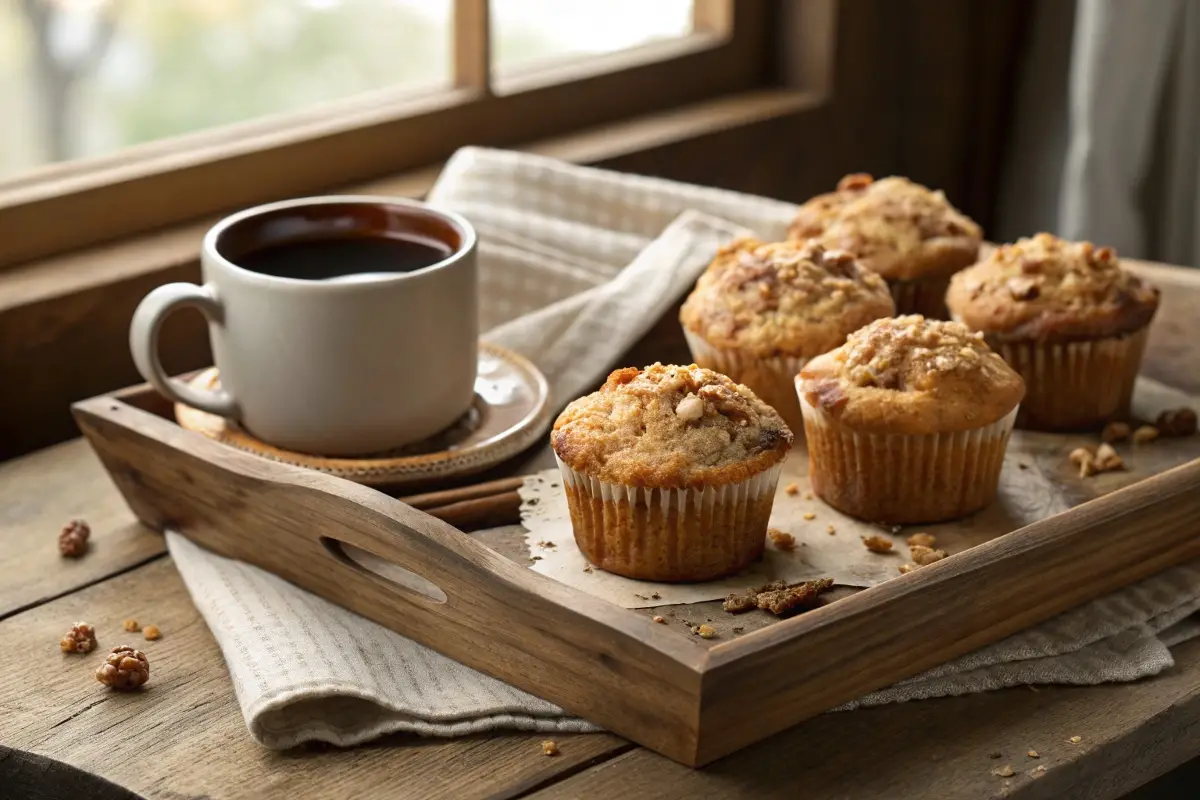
(1114, 432)
(922, 539)
(1176, 422)
(80, 639)
(73, 539)
(151, 632)
(781, 540)
(690, 408)
(924, 556)
(1106, 459)
(1145, 434)
(549, 748)
(124, 669)
(1085, 459)
(877, 544)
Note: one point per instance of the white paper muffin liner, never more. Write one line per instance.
(670, 534)
(1076, 385)
(904, 479)
(772, 379)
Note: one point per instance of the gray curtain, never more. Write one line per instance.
(1106, 137)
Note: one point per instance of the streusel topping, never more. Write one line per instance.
(890, 224)
(794, 298)
(670, 427)
(913, 353)
(1044, 284)
(910, 375)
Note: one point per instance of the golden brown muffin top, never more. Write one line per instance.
(670, 427)
(1048, 289)
(910, 375)
(896, 227)
(783, 298)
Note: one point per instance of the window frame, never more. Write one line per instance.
(145, 187)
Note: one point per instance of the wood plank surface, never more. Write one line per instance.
(184, 736)
(38, 495)
(940, 749)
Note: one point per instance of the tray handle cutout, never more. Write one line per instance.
(366, 561)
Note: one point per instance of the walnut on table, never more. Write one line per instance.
(73, 539)
(80, 639)
(124, 669)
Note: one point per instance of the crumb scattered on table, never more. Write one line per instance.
(738, 629)
(704, 631)
(131, 625)
(151, 632)
(808, 495)
(781, 540)
(73, 539)
(1075, 739)
(80, 639)
(1107, 459)
(907, 568)
(1115, 432)
(549, 748)
(830, 530)
(535, 558)
(1004, 772)
(545, 543)
(995, 754)
(1033, 754)
(1037, 771)
(810, 516)
(655, 596)
(877, 544)
(587, 567)
(792, 488)
(659, 620)
(1022, 465)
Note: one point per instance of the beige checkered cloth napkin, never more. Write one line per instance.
(576, 264)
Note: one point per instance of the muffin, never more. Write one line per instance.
(761, 310)
(670, 472)
(908, 234)
(907, 422)
(1065, 316)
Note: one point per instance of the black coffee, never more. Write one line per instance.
(322, 259)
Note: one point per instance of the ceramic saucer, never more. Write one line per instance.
(511, 411)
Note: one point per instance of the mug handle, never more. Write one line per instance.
(143, 344)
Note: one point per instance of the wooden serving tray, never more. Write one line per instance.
(691, 700)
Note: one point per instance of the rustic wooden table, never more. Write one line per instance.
(184, 736)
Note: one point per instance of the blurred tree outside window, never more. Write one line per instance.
(81, 78)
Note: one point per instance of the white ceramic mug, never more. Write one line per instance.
(345, 366)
